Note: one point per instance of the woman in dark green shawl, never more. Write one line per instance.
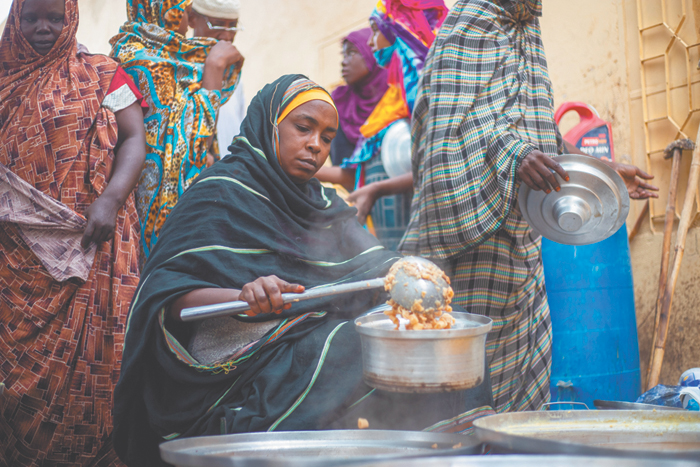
(252, 226)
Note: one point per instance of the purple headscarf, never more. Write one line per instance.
(356, 103)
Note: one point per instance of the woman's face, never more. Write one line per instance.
(354, 66)
(377, 41)
(41, 22)
(305, 137)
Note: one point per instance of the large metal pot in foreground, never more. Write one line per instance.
(529, 461)
(645, 434)
(424, 361)
(312, 448)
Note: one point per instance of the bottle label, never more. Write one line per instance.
(596, 142)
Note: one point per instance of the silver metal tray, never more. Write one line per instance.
(530, 461)
(643, 433)
(590, 207)
(619, 405)
(313, 448)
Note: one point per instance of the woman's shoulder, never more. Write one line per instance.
(123, 92)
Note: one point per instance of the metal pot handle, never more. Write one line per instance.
(546, 405)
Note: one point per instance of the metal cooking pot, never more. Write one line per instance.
(312, 448)
(643, 433)
(529, 461)
(424, 361)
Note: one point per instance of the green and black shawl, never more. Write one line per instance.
(242, 219)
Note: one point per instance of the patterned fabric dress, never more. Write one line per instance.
(168, 70)
(410, 27)
(484, 103)
(62, 309)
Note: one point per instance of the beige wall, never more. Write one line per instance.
(99, 21)
(279, 37)
(593, 54)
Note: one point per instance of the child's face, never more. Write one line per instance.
(354, 67)
(41, 22)
(221, 30)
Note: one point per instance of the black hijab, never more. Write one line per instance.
(242, 219)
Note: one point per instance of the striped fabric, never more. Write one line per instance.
(504, 280)
(484, 103)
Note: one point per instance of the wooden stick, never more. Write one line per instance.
(687, 215)
(666, 249)
(640, 219)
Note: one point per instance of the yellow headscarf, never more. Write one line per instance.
(315, 94)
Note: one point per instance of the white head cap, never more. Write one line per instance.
(223, 9)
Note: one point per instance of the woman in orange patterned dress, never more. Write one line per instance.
(71, 151)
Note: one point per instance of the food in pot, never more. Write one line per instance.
(362, 423)
(421, 316)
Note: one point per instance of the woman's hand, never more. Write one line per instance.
(536, 172)
(264, 295)
(102, 220)
(221, 56)
(363, 199)
(637, 189)
(633, 175)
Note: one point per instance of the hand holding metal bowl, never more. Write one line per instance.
(590, 206)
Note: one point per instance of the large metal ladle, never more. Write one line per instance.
(406, 290)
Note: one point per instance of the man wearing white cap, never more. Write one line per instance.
(218, 19)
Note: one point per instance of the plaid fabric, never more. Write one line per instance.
(390, 214)
(503, 279)
(484, 103)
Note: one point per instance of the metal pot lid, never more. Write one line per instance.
(396, 149)
(313, 448)
(590, 207)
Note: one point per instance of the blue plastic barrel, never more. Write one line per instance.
(595, 351)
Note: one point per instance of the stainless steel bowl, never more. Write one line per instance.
(423, 361)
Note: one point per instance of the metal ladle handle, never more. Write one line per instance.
(238, 307)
